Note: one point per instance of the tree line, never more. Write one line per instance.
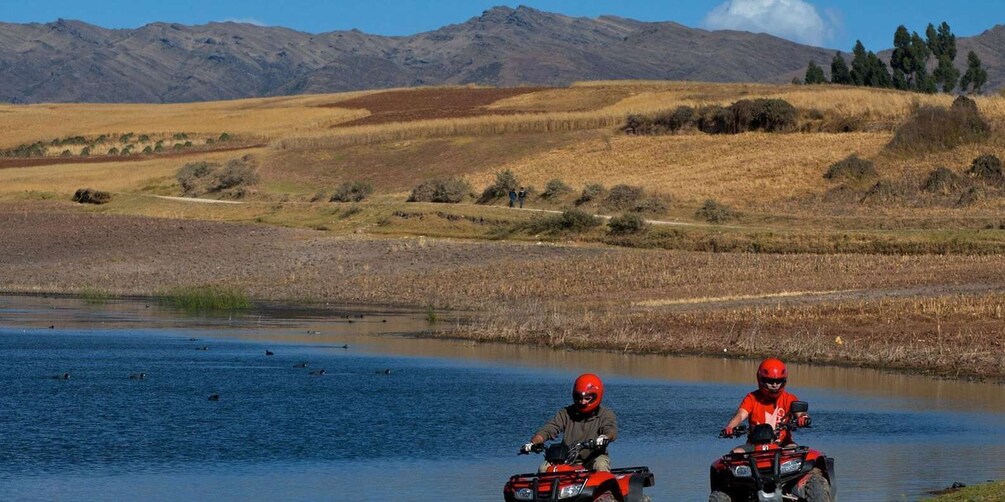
(909, 64)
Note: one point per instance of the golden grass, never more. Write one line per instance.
(743, 169)
(153, 174)
(268, 117)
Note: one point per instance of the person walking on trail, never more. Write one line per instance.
(584, 419)
(521, 196)
(512, 197)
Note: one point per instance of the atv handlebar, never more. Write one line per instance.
(742, 430)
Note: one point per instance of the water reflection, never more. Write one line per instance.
(449, 411)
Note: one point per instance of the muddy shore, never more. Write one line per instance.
(933, 314)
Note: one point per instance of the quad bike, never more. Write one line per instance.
(772, 472)
(566, 480)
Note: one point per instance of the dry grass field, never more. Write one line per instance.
(827, 271)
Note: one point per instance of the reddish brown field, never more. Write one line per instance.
(427, 104)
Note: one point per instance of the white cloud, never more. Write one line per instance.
(795, 20)
(245, 20)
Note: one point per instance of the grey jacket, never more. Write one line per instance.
(576, 427)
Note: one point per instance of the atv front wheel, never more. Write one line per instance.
(719, 497)
(817, 489)
(605, 497)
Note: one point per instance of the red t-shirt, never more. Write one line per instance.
(766, 410)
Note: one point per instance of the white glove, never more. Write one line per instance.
(527, 448)
(602, 440)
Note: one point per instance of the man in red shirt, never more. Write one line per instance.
(769, 404)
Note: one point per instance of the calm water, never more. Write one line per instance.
(444, 424)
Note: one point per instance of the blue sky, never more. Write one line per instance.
(826, 23)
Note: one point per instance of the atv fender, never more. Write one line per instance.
(607, 486)
(635, 485)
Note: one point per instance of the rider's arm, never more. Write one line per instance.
(552, 428)
(741, 415)
(608, 424)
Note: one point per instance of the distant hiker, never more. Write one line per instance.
(521, 196)
(512, 197)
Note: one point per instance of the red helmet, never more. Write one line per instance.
(587, 385)
(772, 371)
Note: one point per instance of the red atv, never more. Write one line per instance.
(565, 480)
(771, 472)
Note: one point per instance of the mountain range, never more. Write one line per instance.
(72, 61)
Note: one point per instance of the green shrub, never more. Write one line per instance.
(623, 197)
(143, 138)
(851, 168)
(504, 183)
(449, 190)
(113, 151)
(555, 188)
(148, 150)
(716, 212)
(933, 128)
(180, 135)
(713, 119)
(352, 191)
(651, 205)
(224, 137)
(91, 196)
(770, 115)
(942, 180)
(192, 175)
(235, 173)
(591, 192)
(987, 168)
(572, 220)
(66, 153)
(85, 152)
(319, 196)
(627, 223)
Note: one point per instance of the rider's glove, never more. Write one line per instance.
(803, 421)
(602, 440)
(527, 448)
(727, 432)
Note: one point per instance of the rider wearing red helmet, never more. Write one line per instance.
(584, 419)
(770, 403)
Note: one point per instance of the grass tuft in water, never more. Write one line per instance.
(205, 298)
(95, 296)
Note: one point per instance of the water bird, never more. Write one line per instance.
(300, 365)
(346, 347)
(64, 376)
(214, 397)
(269, 352)
(384, 372)
(383, 320)
(313, 332)
(52, 326)
(138, 376)
(204, 347)
(318, 372)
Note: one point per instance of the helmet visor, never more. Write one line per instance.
(774, 381)
(583, 398)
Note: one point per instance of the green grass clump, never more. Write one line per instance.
(983, 492)
(95, 296)
(205, 298)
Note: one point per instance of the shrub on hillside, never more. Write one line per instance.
(449, 190)
(505, 181)
(651, 205)
(91, 196)
(572, 220)
(881, 191)
(713, 119)
(623, 197)
(971, 196)
(716, 212)
(555, 188)
(591, 192)
(770, 115)
(352, 191)
(933, 128)
(234, 174)
(852, 168)
(987, 168)
(942, 180)
(627, 223)
(192, 175)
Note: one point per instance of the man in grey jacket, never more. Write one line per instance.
(584, 419)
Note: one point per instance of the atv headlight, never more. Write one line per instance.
(742, 471)
(790, 466)
(571, 491)
(524, 494)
